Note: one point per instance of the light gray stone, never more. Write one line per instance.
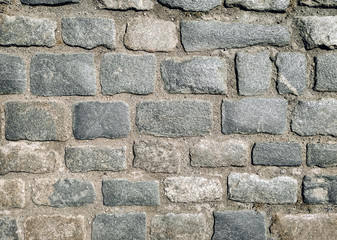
(266, 5)
(315, 117)
(12, 74)
(127, 4)
(26, 31)
(319, 3)
(253, 73)
(320, 189)
(12, 193)
(250, 188)
(326, 73)
(89, 32)
(191, 5)
(8, 229)
(254, 115)
(122, 73)
(196, 75)
(209, 35)
(322, 155)
(48, 2)
(175, 118)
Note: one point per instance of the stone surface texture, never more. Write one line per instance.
(48, 2)
(12, 74)
(322, 155)
(326, 73)
(12, 193)
(127, 4)
(320, 189)
(266, 5)
(191, 5)
(8, 229)
(319, 3)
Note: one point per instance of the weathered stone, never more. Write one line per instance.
(157, 156)
(8, 229)
(277, 154)
(254, 115)
(319, 3)
(191, 5)
(320, 189)
(244, 187)
(178, 226)
(175, 118)
(326, 73)
(322, 155)
(101, 120)
(48, 2)
(192, 189)
(62, 74)
(266, 5)
(196, 75)
(64, 192)
(121, 192)
(36, 121)
(12, 74)
(151, 35)
(243, 225)
(210, 153)
(31, 158)
(127, 4)
(292, 73)
(318, 31)
(12, 193)
(26, 31)
(315, 118)
(208, 35)
(92, 158)
(6, 1)
(253, 73)
(128, 73)
(119, 226)
(55, 227)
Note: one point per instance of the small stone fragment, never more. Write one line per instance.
(12, 74)
(12, 193)
(127, 4)
(8, 229)
(320, 189)
(326, 73)
(266, 5)
(322, 155)
(48, 2)
(191, 5)
(319, 3)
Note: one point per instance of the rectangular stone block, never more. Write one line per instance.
(319, 3)
(254, 115)
(12, 193)
(326, 73)
(322, 155)
(36, 121)
(320, 189)
(8, 229)
(48, 2)
(120, 192)
(62, 74)
(209, 35)
(127, 4)
(92, 158)
(175, 118)
(266, 5)
(26, 31)
(194, 6)
(250, 188)
(192, 189)
(12, 74)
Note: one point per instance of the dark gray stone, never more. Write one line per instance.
(91, 158)
(12, 74)
(122, 73)
(101, 120)
(239, 225)
(253, 73)
(196, 75)
(319, 3)
(119, 226)
(326, 73)
(36, 121)
(315, 118)
(320, 189)
(8, 229)
(208, 35)
(265, 5)
(254, 115)
(48, 2)
(62, 74)
(322, 155)
(120, 192)
(277, 154)
(26, 31)
(89, 32)
(191, 5)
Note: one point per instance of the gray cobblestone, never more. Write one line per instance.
(127, 4)
(319, 3)
(322, 155)
(191, 5)
(326, 73)
(267, 5)
(12, 74)
(320, 189)
(12, 193)
(8, 229)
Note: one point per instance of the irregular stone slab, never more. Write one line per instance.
(292, 73)
(119, 226)
(209, 35)
(315, 117)
(250, 188)
(122, 73)
(12, 193)
(89, 32)
(127, 4)
(12, 74)
(8, 229)
(175, 118)
(121, 192)
(62, 74)
(287, 154)
(36, 121)
(196, 75)
(151, 35)
(253, 73)
(254, 115)
(55, 227)
(157, 156)
(320, 189)
(318, 31)
(326, 73)
(101, 120)
(28, 157)
(192, 189)
(63, 192)
(191, 5)
(210, 153)
(48, 2)
(322, 155)
(319, 3)
(26, 31)
(243, 225)
(267, 5)
(178, 226)
(92, 158)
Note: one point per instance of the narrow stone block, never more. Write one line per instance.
(320, 189)
(127, 4)
(48, 2)
(326, 73)
(319, 3)
(191, 5)
(12, 193)
(266, 5)
(8, 229)
(322, 155)
(12, 74)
